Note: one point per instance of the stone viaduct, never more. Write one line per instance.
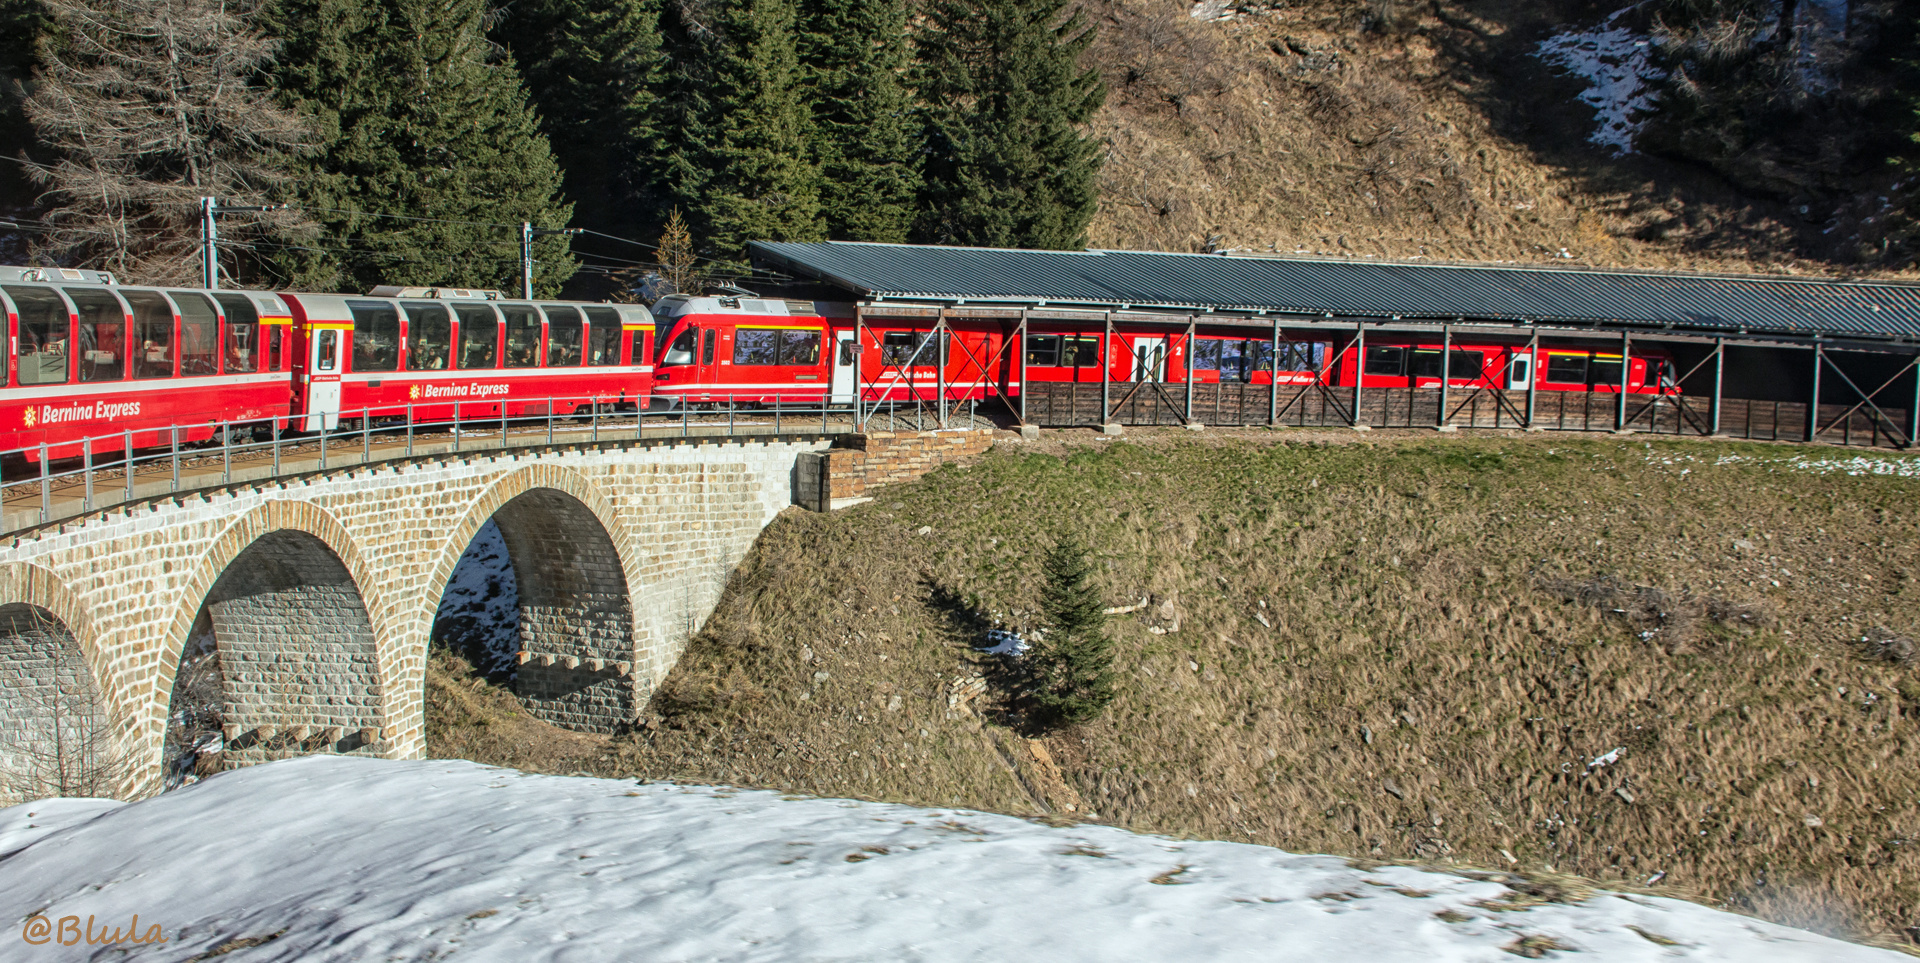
(321, 589)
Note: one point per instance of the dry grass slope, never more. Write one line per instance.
(1395, 129)
(1402, 648)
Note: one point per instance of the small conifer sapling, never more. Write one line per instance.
(1072, 661)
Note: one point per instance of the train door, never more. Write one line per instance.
(841, 387)
(323, 379)
(1149, 359)
(1519, 370)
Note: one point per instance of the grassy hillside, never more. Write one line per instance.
(1633, 661)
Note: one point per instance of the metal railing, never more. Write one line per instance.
(53, 482)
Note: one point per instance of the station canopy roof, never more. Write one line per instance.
(1320, 287)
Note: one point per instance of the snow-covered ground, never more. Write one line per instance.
(1623, 85)
(339, 858)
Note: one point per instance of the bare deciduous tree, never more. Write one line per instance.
(62, 743)
(147, 106)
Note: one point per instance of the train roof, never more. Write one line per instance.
(1338, 288)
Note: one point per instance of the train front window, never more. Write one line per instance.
(754, 346)
(563, 336)
(152, 334)
(1567, 369)
(429, 337)
(800, 347)
(102, 335)
(43, 351)
(603, 336)
(242, 353)
(523, 336)
(199, 334)
(479, 335)
(681, 350)
(1386, 360)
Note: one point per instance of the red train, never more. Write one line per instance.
(131, 366)
(127, 365)
(742, 349)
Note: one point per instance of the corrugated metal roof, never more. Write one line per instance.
(1311, 286)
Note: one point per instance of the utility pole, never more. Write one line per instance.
(527, 233)
(210, 236)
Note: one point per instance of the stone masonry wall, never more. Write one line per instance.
(129, 584)
(843, 475)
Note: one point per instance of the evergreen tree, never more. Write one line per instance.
(146, 106)
(1072, 661)
(865, 133)
(1008, 163)
(430, 157)
(765, 181)
(595, 70)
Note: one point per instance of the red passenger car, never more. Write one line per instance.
(436, 354)
(90, 359)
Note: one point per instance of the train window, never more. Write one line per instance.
(1605, 370)
(376, 336)
(101, 335)
(1465, 363)
(563, 336)
(523, 336)
(152, 334)
(800, 347)
(1043, 349)
(1423, 363)
(706, 347)
(242, 355)
(603, 336)
(199, 334)
(479, 335)
(1080, 352)
(1232, 355)
(1567, 368)
(1302, 355)
(276, 333)
(43, 335)
(681, 350)
(637, 349)
(328, 353)
(912, 348)
(1206, 354)
(429, 337)
(1386, 360)
(756, 346)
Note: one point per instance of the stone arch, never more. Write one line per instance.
(57, 737)
(313, 657)
(575, 569)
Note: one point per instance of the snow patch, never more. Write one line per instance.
(480, 611)
(372, 859)
(1622, 81)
